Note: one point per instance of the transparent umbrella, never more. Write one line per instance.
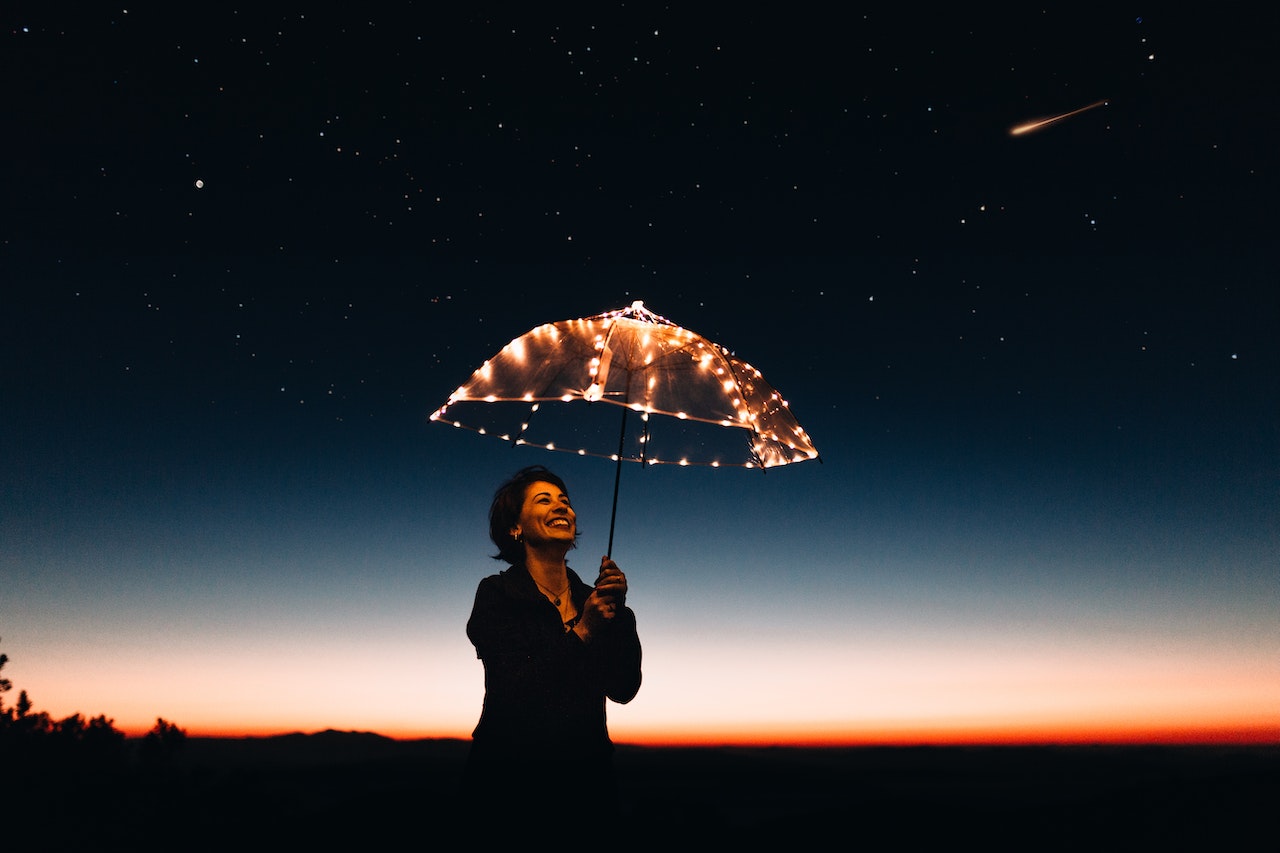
(555, 386)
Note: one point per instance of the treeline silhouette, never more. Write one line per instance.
(33, 741)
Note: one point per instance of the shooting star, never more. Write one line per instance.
(1036, 125)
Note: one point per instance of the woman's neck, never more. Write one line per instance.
(548, 568)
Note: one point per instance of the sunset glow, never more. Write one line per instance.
(1059, 687)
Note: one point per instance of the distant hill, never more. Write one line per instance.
(327, 747)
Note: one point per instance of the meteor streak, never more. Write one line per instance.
(1036, 125)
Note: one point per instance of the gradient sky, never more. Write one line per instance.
(245, 254)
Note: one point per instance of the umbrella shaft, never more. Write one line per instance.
(617, 477)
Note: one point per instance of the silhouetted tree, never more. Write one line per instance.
(5, 686)
(74, 781)
(160, 744)
(23, 722)
(58, 745)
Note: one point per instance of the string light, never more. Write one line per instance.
(618, 347)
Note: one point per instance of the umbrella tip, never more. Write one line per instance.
(637, 305)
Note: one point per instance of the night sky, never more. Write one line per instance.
(246, 253)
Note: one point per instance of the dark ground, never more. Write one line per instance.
(363, 791)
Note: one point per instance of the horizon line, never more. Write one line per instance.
(1262, 736)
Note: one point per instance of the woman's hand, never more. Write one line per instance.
(604, 602)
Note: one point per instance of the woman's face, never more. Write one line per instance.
(547, 515)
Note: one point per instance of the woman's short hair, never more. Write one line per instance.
(508, 500)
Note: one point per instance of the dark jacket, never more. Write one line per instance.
(545, 689)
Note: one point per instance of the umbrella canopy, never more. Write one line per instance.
(637, 360)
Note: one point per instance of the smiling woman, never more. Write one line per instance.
(554, 649)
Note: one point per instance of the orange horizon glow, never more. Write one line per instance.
(862, 685)
(888, 736)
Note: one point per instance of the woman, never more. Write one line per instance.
(553, 649)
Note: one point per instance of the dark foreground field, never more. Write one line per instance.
(362, 791)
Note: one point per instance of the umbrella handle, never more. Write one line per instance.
(617, 476)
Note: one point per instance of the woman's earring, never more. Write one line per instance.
(515, 534)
